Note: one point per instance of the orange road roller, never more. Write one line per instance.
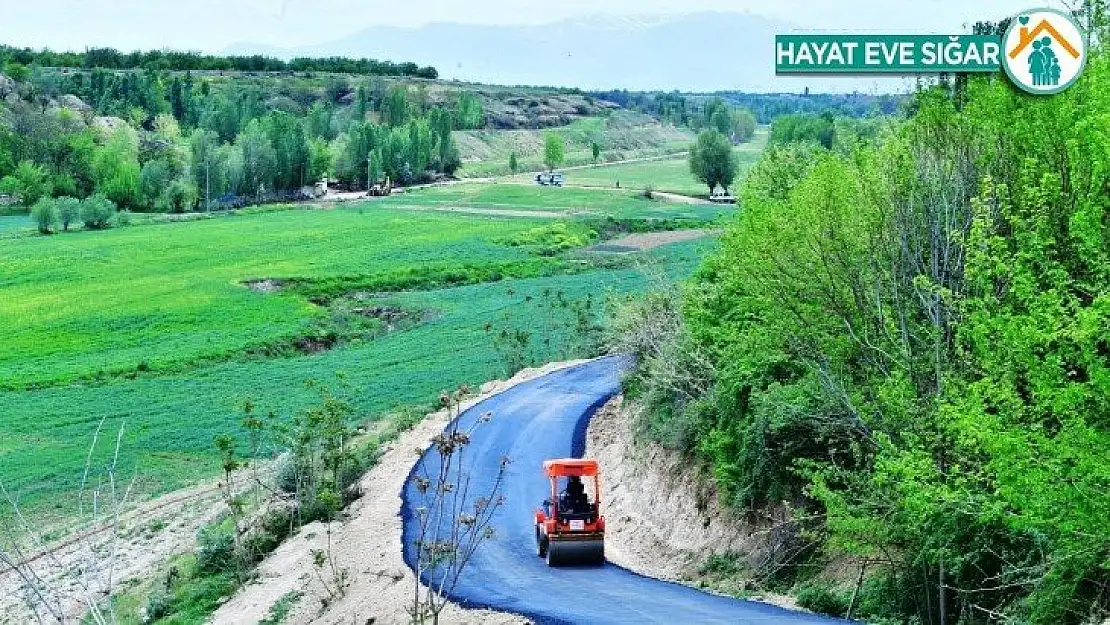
(569, 527)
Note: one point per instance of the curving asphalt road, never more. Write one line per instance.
(546, 418)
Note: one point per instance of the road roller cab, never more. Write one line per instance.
(570, 529)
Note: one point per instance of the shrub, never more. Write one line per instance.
(216, 549)
(257, 545)
(97, 212)
(69, 211)
(45, 215)
(823, 599)
(278, 522)
(287, 475)
(158, 604)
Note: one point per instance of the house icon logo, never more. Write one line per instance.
(1044, 51)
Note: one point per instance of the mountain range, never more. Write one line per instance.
(697, 52)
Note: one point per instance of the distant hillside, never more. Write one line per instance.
(695, 52)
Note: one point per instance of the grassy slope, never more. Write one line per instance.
(168, 293)
(621, 135)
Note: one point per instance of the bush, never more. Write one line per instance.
(45, 215)
(823, 599)
(123, 218)
(278, 522)
(287, 476)
(257, 545)
(216, 549)
(69, 211)
(97, 212)
(159, 604)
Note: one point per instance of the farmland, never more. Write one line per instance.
(152, 326)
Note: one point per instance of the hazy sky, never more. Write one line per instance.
(211, 25)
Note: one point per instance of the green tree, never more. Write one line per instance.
(712, 160)
(259, 160)
(554, 150)
(116, 169)
(395, 107)
(291, 153)
(208, 165)
(469, 111)
(743, 125)
(513, 164)
(69, 211)
(595, 149)
(45, 215)
(28, 183)
(319, 159)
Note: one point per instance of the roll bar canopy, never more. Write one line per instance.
(566, 467)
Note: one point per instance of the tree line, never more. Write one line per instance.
(171, 60)
(903, 336)
(153, 141)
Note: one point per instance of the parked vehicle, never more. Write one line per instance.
(554, 179)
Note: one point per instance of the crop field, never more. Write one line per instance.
(128, 299)
(619, 204)
(152, 328)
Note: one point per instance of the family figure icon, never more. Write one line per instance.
(1043, 64)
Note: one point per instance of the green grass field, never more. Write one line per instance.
(90, 302)
(672, 174)
(161, 310)
(620, 204)
(15, 224)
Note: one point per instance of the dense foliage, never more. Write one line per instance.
(765, 107)
(157, 141)
(906, 337)
(111, 58)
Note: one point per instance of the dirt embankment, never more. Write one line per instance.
(78, 567)
(663, 516)
(367, 544)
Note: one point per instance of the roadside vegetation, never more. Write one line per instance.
(902, 336)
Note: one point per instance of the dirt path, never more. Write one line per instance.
(494, 212)
(367, 545)
(649, 240)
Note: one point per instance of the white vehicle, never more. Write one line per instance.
(550, 179)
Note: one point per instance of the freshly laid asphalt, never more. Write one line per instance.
(532, 422)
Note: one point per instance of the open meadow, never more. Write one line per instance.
(663, 174)
(560, 202)
(156, 327)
